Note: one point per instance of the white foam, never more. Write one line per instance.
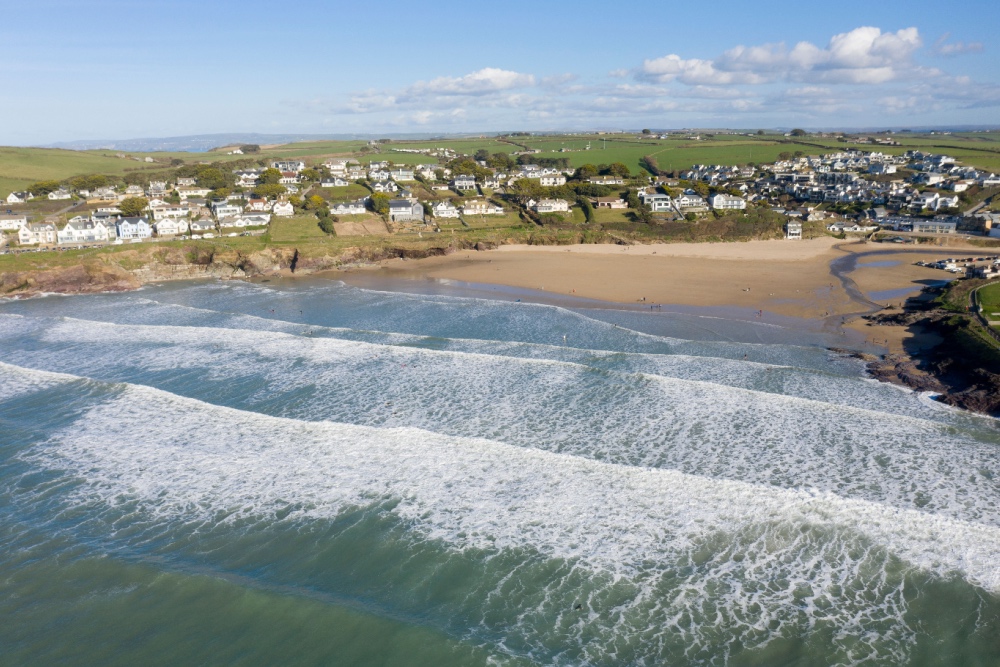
(16, 381)
(761, 550)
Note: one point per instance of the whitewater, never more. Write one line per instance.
(309, 472)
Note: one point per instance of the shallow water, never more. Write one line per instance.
(312, 473)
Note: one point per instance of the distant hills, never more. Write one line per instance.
(199, 143)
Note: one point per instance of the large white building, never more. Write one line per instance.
(551, 206)
(134, 229)
(83, 230)
(722, 201)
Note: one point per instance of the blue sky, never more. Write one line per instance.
(118, 70)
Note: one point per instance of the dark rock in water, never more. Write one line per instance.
(485, 245)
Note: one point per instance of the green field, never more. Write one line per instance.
(20, 167)
(989, 299)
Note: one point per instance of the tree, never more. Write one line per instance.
(176, 162)
(310, 174)
(326, 224)
(501, 162)
(269, 191)
(91, 182)
(587, 208)
(586, 172)
(212, 178)
(250, 148)
(525, 189)
(647, 132)
(133, 207)
(618, 169)
(315, 203)
(220, 193)
(42, 188)
(379, 202)
(784, 155)
(482, 155)
(798, 133)
(760, 133)
(269, 176)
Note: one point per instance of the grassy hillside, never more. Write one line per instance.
(19, 167)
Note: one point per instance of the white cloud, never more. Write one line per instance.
(864, 55)
(943, 48)
(484, 81)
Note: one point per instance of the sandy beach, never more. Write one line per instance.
(790, 278)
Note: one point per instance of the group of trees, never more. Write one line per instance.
(588, 171)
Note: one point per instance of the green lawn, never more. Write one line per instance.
(296, 229)
(989, 299)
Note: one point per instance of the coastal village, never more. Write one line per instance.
(845, 192)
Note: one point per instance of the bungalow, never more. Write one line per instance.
(170, 227)
(335, 182)
(244, 179)
(724, 202)
(232, 222)
(185, 182)
(464, 183)
(202, 225)
(552, 180)
(283, 208)
(11, 223)
(35, 233)
(83, 230)
(18, 197)
(61, 193)
(401, 175)
(934, 227)
(134, 229)
(440, 187)
(257, 219)
(349, 208)
(289, 165)
(609, 202)
(551, 206)
(134, 191)
(187, 191)
(479, 207)
(606, 180)
(401, 210)
(444, 209)
(288, 178)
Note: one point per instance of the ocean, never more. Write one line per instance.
(315, 473)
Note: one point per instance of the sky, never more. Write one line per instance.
(81, 70)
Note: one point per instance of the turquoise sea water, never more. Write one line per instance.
(313, 473)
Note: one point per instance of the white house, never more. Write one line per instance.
(18, 197)
(202, 225)
(257, 219)
(335, 182)
(349, 208)
(724, 202)
(185, 181)
(289, 165)
(288, 178)
(444, 209)
(401, 210)
(59, 194)
(690, 201)
(134, 229)
(384, 186)
(400, 174)
(793, 230)
(657, 202)
(552, 180)
(83, 230)
(186, 191)
(283, 209)
(551, 206)
(378, 175)
(606, 180)
(464, 183)
(35, 233)
(169, 211)
(479, 207)
(171, 227)
(258, 204)
(11, 223)
(232, 222)
(223, 209)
